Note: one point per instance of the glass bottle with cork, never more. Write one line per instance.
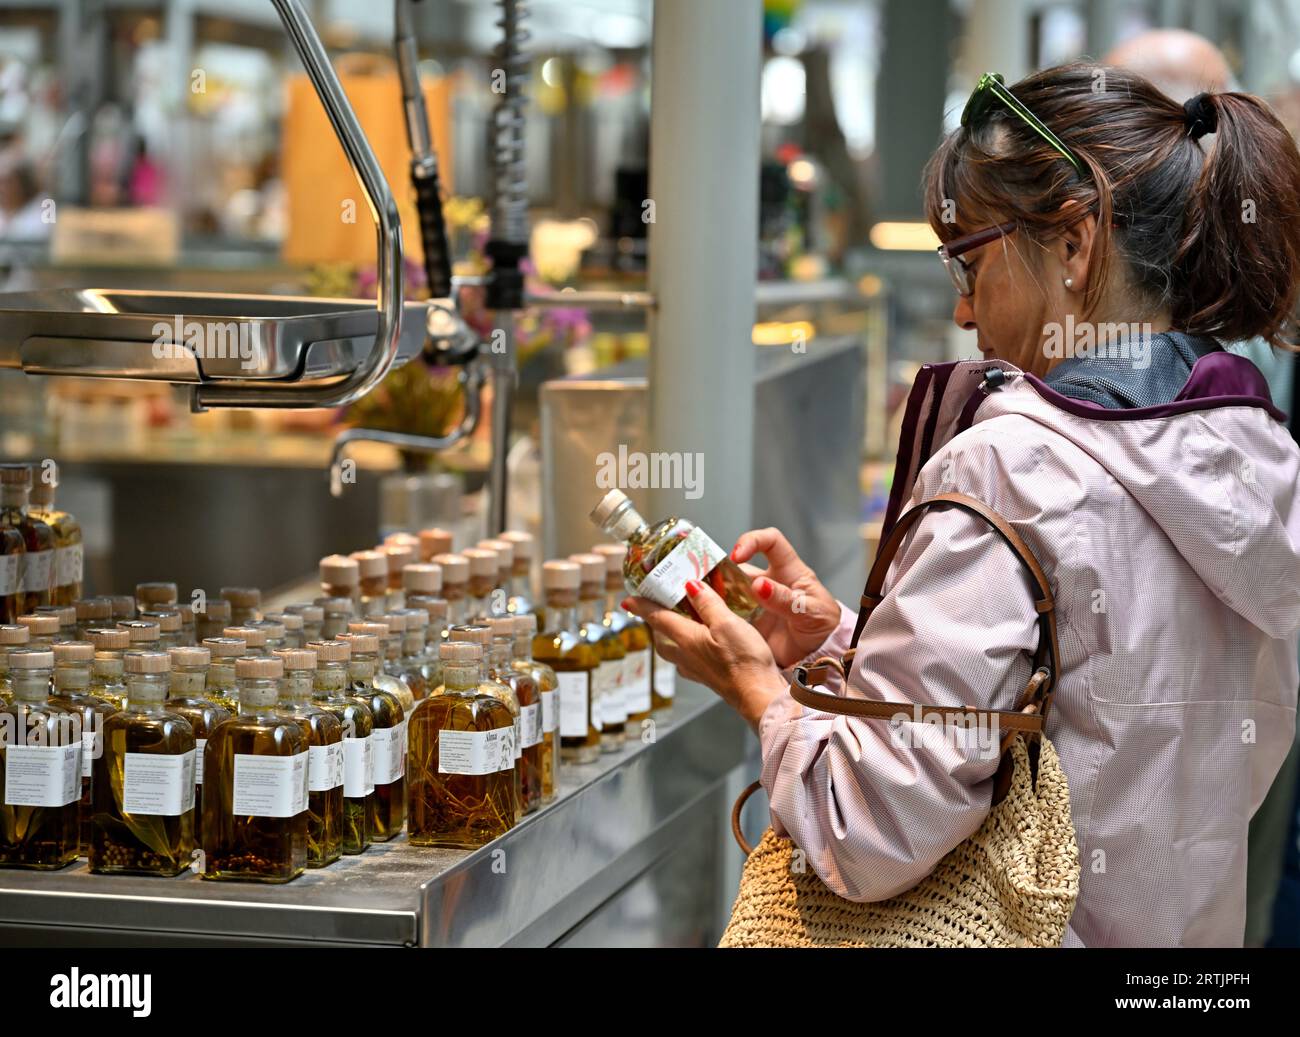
(43, 627)
(255, 783)
(525, 627)
(72, 663)
(324, 733)
(522, 599)
(143, 821)
(387, 738)
(67, 617)
(337, 613)
(313, 617)
(37, 566)
(69, 551)
(223, 687)
(481, 635)
(212, 618)
(433, 542)
(340, 577)
(455, 585)
(156, 595)
(189, 628)
(415, 666)
(187, 696)
(528, 734)
(93, 613)
(423, 582)
(561, 646)
(482, 588)
(505, 583)
(171, 626)
(387, 677)
(13, 549)
(145, 634)
(40, 769)
(331, 691)
(123, 607)
(462, 772)
(275, 632)
(107, 670)
(254, 638)
(245, 604)
(611, 706)
(635, 635)
(399, 556)
(12, 635)
(373, 568)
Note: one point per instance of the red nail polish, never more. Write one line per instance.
(626, 605)
(692, 588)
(765, 589)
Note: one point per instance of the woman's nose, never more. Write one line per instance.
(963, 314)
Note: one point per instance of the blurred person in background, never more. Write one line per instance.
(1182, 64)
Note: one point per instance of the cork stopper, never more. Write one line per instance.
(296, 658)
(505, 551)
(65, 614)
(592, 566)
(273, 629)
(141, 629)
(40, 624)
(460, 652)
(331, 651)
(242, 597)
(399, 556)
(372, 564)
(189, 655)
(477, 633)
(14, 634)
(434, 542)
(43, 491)
(250, 667)
(615, 515)
(288, 620)
(149, 594)
(168, 620)
(74, 652)
(217, 610)
(94, 610)
(311, 614)
(455, 568)
(502, 627)
(362, 644)
(123, 606)
(561, 576)
(253, 637)
(147, 662)
(525, 625)
(226, 647)
(416, 619)
(31, 659)
(481, 563)
(339, 571)
(109, 639)
(405, 539)
(434, 608)
(422, 577)
(15, 475)
(187, 614)
(377, 627)
(395, 621)
(522, 543)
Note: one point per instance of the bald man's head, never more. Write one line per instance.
(1180, 63)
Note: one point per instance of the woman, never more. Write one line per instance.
(1150, 475)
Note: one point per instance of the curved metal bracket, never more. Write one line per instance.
(388, 227)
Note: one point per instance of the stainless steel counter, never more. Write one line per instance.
(634, 851)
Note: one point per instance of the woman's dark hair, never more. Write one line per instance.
(1209, 228)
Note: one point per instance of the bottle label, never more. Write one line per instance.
(665, 678)
(474, 752)
(613, 710)
(692, 559)
(326, 769)
(42, 775)
(270, 786)
(11, 574)
(158, 784)
(388, 746)
(575, 705)
(38, 571)
(530, 725)
(88, 754)
(357, 768)
(199, 745)
(518, 736)
(549, 712)
(68, 565)
(636, 682)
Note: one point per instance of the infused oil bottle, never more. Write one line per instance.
(245, 604)
(505, 581)
(161, 594)
(635, 635)
(387, 805)
(40, 769)
(69, 556)
(481, 635)
(548, 698)
(561, 646)
(610, 706)
(325, 750)
(43, 627)
(255, 775)
(222, 688)
(434, 542)
(332, 691)
(107, 671)
(37, 574)
(143, 820)
(373, 566)
(187, 696)
(313, 617)
(528, 732)
(72, 664)
(455, 586)
(213, 618)
(92, 613)
(414, 666)
(483, 572)
(521, 599)
(462, 773)
(12, 635)
(399, 556)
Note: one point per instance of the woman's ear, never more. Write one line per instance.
(1073, 249)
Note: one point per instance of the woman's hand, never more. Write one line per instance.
(798, 612)
(721, 651)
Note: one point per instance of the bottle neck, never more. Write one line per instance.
(331, 680)
(296, 688)
(72, 679)
(590, 604)
(188, 681)
(145, 691)
(257, 695)
(362, 667)
(524, 648)
(15, 498)
(108, 665)
(499, 654)
(414, 642)
(31, 685)
(560, 613)
(221, 674)
(461, 678)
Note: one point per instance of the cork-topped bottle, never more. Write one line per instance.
(399, 556)
(332, 691)
(313, 618)
(37, 558)
(161, 594)
(107, 669)
(483, 597)
(222, 686)
(373, 568)
(638, 686)
(528, 733)
(187, 696)
(610, 703)
(72, 665)
(548, 696)
(211, 616)
(245, 604)
(69, 551)
(561, 646)
(387, 738)
(92, 613)
(433, 542)
(455, 585)
(324, 733)
(521, 597)
(12, 635)
(43, 627)
(145, 634)
(481, 635)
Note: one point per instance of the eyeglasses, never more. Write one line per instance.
(963, 277)
(989, 91)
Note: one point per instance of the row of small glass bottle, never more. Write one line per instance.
(41, 559)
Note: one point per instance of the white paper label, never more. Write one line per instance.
(575, 708)
(159, 785)
(38, 570)
(358, 768)
(326, 770)
(474, 752)
(692, 559)
(665, 678)
(613, 710)
(68, 565)
(11, 574)
(199, 745)
(518, 736)
(388, 745)
(636, 682)
(87, 753)
(550, 715)
(270, 786)
(42, 775)
(530, 725)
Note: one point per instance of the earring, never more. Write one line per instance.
(1069, 282)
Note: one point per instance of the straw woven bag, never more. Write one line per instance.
(1013, 883)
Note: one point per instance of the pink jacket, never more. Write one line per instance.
(1171, 535)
